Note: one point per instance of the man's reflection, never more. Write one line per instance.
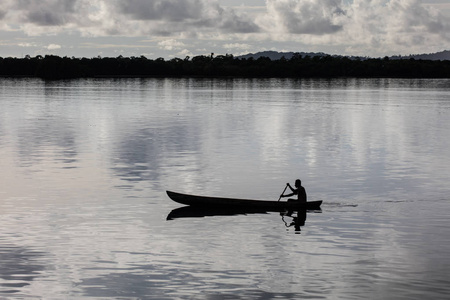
(296, 221)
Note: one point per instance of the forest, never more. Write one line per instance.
(55, 67)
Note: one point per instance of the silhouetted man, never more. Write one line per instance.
(299, 191)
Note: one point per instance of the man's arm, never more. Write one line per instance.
(289, 186)
(288, 195)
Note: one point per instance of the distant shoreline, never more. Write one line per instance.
(222, 66)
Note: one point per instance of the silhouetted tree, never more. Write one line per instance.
(55, 67)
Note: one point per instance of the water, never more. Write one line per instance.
(85, 165)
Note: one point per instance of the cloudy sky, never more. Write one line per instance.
(180, 28)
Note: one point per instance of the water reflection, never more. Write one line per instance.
(143, 152)
(85, 164)
(175, 282)
(297, 220)
(294, 219)
(363, 133)
(47, 138)
(19, 266)
(197, 212)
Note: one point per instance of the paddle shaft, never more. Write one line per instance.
(283, 192)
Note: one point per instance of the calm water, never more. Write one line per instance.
(85, 165)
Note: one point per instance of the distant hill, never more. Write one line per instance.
(274, 55)
(444, 55)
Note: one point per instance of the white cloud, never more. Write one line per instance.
(184, 53)
(398, 25)
(53, 47)
(27, 45)
(171, 44)
(238, 46)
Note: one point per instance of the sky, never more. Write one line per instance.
(181, 28)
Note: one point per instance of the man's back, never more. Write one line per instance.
(301, 194)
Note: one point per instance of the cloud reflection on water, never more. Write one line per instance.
(18, 267)
(266, 131)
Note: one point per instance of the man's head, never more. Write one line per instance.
(298, 183)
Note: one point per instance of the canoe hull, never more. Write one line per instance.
(218, 202)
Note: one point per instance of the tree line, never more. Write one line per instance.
(298, 66)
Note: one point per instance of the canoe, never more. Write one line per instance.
(218, 202)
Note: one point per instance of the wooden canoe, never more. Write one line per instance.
(218, 202)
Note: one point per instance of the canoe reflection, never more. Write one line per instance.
(294, 219)
(199, 212)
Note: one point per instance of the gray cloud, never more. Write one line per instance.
(47, 13)
(230, 22)
(305, 17)
(45, 18)
(169, 10)
(185, 15)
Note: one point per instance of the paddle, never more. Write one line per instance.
(283, 192)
